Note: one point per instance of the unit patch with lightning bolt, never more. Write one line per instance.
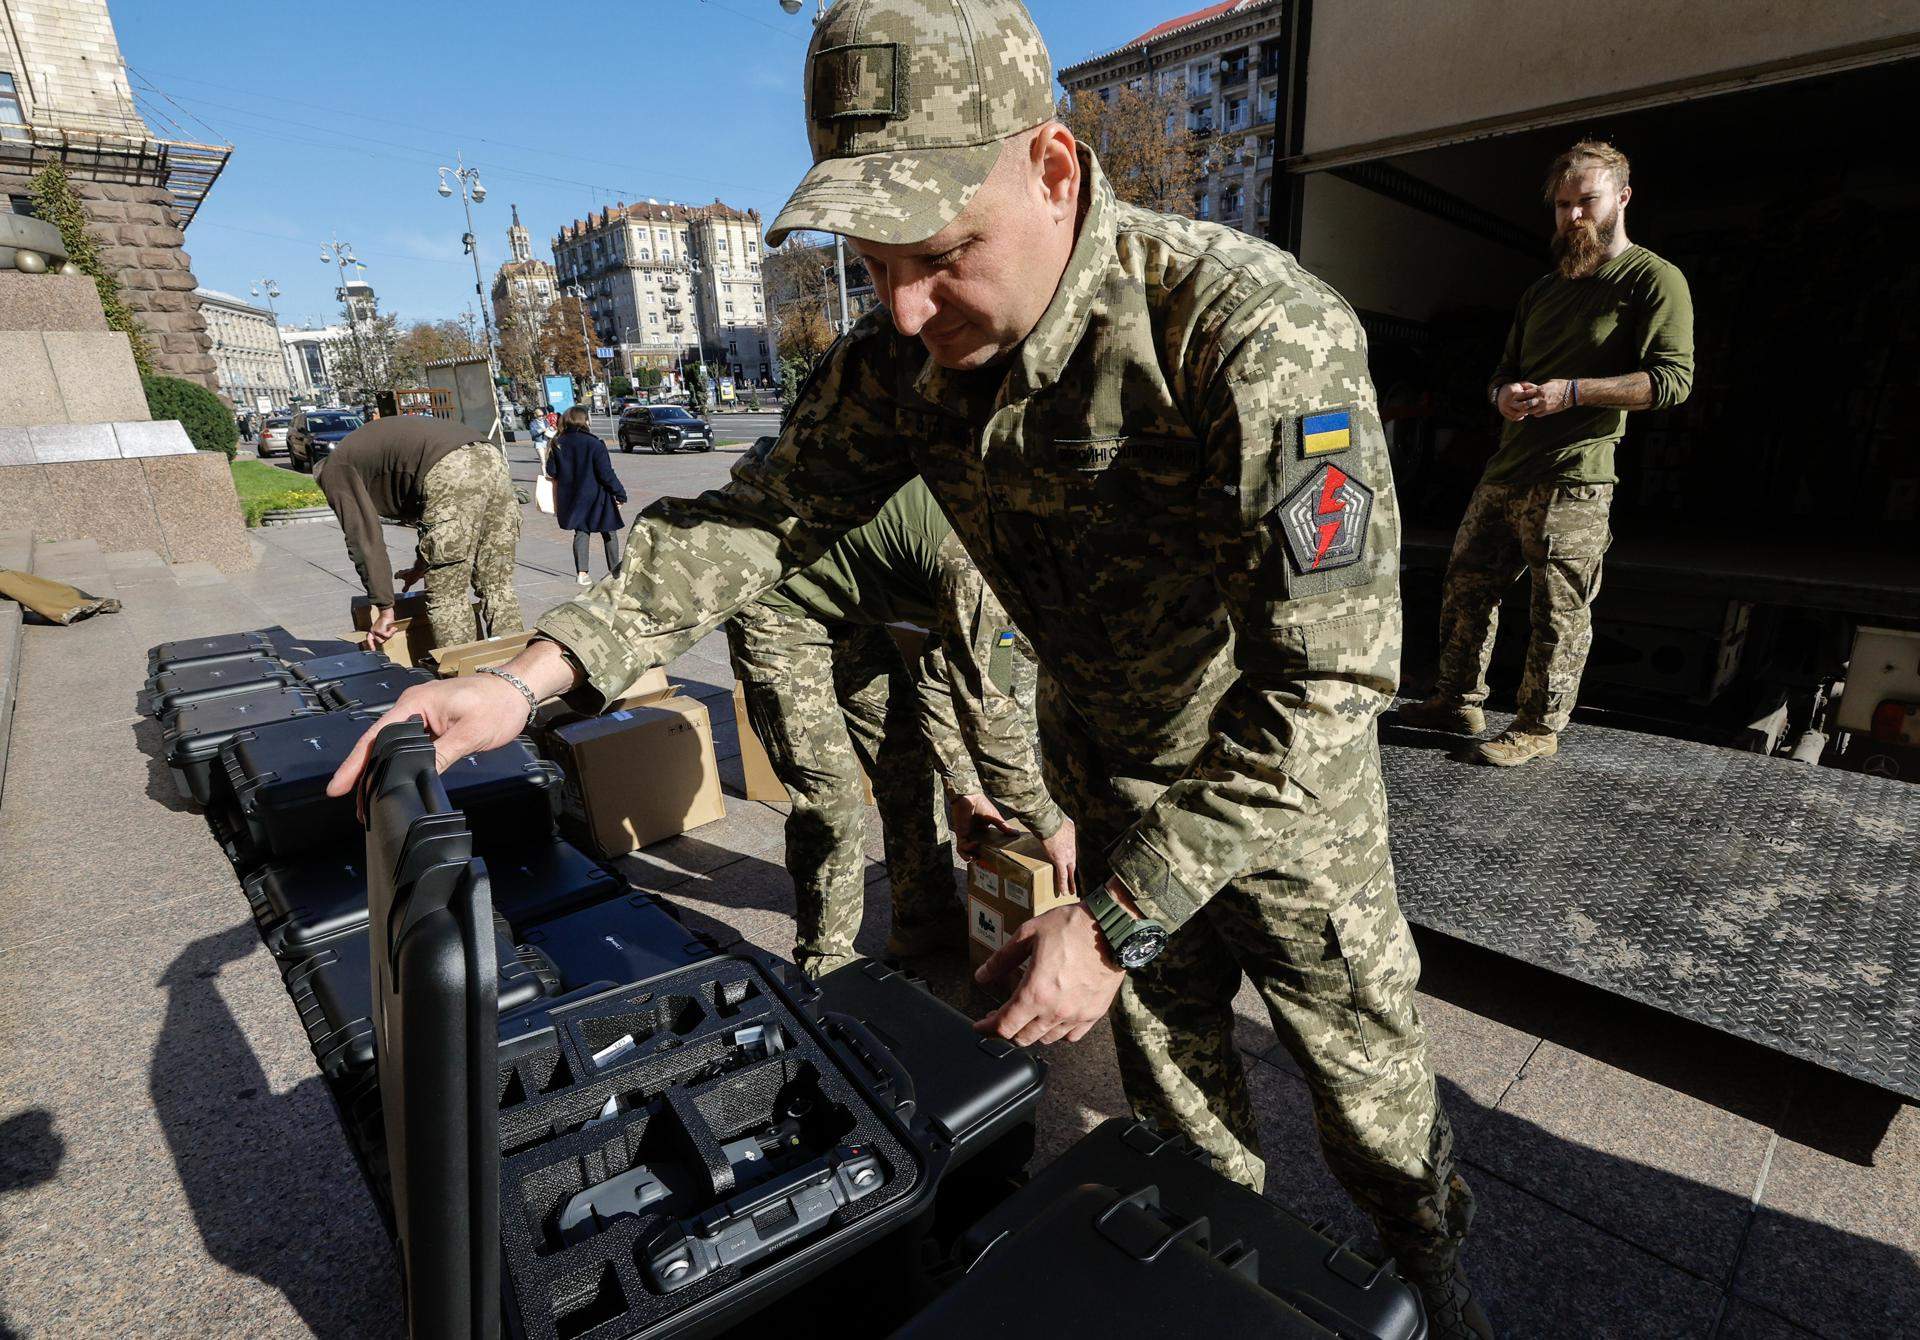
(1324, 521)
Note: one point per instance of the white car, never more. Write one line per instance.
(273, 437)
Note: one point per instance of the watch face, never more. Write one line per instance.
(1141, 947)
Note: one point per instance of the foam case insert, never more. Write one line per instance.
(674, 1076)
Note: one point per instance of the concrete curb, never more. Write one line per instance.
(16, 552)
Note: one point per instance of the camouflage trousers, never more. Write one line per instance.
(469, 532)
(1323, 941)
(1558, 533)
(826, 701)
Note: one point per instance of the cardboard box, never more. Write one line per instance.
(761, 781)
(414, 640)
(638, 775)
(1011, 883)
(469, 658)
(756, 766)
(554, 713)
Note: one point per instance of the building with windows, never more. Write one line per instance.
(312, 354)
(1224, 63)
(524, 287)
(64, 98)
(666, 283)
(249, 358)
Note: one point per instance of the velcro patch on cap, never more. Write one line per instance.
(858, 80)
(1324, 521)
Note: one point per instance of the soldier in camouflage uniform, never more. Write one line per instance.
(1159, 442)
(1610, 330)
(827, 691)
(429, 474)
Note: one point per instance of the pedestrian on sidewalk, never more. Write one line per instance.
(586, 491)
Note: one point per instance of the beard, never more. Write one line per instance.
(1579, 248)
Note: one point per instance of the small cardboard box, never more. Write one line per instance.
(640, 774)
(1009, 884)
(413, 641)
(554, 713)
(469, 658)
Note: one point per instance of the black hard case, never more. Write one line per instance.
(278, 776)
(374, 692)
(211, 679)
(434, 968)
(325, 670)
(275, 641)
(1120, 1264)
(1325, 1282)
(971, 1090)
(301, 905)
(196, 732)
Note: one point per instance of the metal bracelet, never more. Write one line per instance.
(533, 703)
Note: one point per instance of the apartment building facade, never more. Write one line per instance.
(249, 358)
(668, 283)
(1225, 65)
(524, 286)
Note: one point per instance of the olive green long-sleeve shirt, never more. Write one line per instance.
(1633, 314)
(380, 471)
(1177, 485)
(907, 566)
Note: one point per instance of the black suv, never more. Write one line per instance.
(314, 433)
(664, 428)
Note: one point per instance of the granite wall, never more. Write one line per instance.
(141, 239)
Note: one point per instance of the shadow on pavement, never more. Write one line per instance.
(267, 1176)
(31, 1151)
(1821, 1109)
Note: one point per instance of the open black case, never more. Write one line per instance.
(662, 1158)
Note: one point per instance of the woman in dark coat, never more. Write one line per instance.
(586, 490)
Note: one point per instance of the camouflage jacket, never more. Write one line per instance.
(907, 565)
(1178, 487)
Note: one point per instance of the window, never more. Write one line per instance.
(1106, 95)
(1203, 207)
(1200, 80)
(10, 112)
(729, 309)
(1236, 113)
(1200, 119)
(1230, 199)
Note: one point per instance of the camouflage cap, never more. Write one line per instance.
(907, 102)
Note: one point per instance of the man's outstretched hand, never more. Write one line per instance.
(466, 715)
(1070, 982)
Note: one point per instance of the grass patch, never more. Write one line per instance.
(266, 488)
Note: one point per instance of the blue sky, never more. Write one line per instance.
(340, 113)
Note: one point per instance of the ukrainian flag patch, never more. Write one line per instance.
(1325, 431)
(1006, 638)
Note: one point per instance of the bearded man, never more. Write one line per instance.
(1609, 330)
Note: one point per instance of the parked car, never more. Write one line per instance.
(313, 433)
(664, 428)
(273, 436)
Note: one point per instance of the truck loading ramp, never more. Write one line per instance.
(1772, 900)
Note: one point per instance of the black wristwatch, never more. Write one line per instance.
(1135, 941)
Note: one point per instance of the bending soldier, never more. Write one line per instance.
(1159, 442)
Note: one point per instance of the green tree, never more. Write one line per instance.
(696, 388)
(55, 201)
(373, 358)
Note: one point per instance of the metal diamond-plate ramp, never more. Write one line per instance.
(1772, 900)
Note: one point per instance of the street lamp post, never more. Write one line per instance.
(839, 242)
(471, 194)
(579, 294)
(272, 291)
(340, 254)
